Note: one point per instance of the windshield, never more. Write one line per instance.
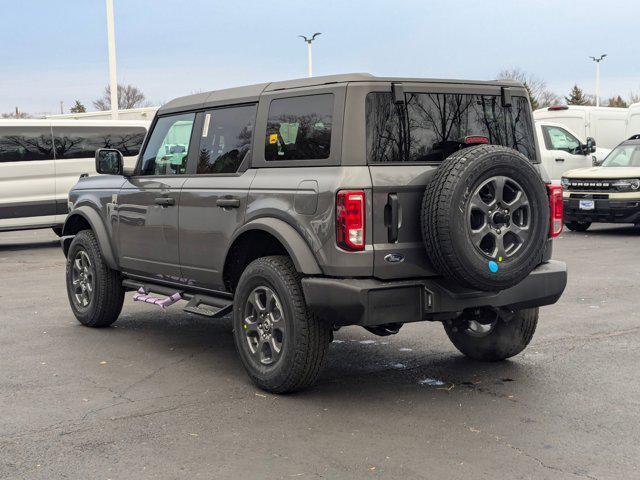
(623, 156)
(431, 126)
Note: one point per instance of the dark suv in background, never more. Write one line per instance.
(307, 205)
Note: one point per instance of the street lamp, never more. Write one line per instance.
(309, 58)
(111, 40)
(598, 60)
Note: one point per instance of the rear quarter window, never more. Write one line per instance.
(299, 128)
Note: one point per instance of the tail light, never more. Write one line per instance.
(555, 207)
(350, 220)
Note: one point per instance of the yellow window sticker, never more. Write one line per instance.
(273, 138)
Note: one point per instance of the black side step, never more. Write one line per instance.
(200, 304)
(209, 306)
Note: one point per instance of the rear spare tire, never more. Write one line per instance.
(485, 218)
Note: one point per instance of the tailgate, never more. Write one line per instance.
(397, 199)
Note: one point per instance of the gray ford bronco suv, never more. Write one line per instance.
(307, 205)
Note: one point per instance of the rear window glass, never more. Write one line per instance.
(299, 128)
(82, 142)
(430, 127)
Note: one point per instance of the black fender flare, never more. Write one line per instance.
(298, 249)
(94, 219)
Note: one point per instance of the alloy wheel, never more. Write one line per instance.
(499, 218)
(82, 279)
(264, 325)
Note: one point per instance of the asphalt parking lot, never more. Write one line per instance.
(163, 395)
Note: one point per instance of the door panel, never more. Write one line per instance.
(148, 226)
(211, 209)
(148, 202)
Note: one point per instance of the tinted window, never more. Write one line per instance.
(25, 143)
(226, 139)
(430, 127)
(168, 146)
(299, 128)
(82, 142)
(556, 138)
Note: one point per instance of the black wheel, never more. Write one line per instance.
(483, 335)
(282, 345)
(95, 291)
(578, 226)
(485, 218)
(57, 231)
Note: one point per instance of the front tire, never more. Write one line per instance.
(487, 337)
(578, 226)
(95, 291)
(281, 343)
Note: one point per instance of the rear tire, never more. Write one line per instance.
(281, 343)
(578, 226)
(492, 342)
(95, 291)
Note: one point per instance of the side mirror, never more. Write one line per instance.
(109, 161)
(591, 145)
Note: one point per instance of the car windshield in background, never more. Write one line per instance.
(623, 156)
(431, 126)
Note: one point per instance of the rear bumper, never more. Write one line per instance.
(352, 301)
(606, 211)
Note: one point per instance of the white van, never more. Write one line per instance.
(40, 160)
(633, 121)
(605, 124)
(563, 149)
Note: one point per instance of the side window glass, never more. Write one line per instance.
(560, 139)
(168, 146)
(299, 128)
(82, 142)
(226, 139)
(21, 144)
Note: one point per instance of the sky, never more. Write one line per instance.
(53, 51)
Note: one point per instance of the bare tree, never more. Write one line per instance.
(540, 95)
(16, 114)
(128, 97)
(634, 97)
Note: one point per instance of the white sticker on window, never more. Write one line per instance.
(205, 128)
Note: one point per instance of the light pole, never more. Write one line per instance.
(598, 60)
(111, 40)
(309, 56)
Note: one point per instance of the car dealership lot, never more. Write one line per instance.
(163, 395)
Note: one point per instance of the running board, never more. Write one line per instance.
(207, 305)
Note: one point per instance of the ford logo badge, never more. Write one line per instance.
(394, 258)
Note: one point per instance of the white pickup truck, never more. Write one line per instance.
(562, 149)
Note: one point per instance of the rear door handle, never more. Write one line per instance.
(165, 201)
(559, 159)
(228, 202)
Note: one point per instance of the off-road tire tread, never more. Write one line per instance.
(493, 348)
(109, 291)
(437, 206)
(312, 344)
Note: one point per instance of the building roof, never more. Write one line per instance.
(251, 93)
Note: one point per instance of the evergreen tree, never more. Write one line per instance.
(534, 102)
(577, 97)
(78, 107)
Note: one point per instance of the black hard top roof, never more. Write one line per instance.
(251, 93)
